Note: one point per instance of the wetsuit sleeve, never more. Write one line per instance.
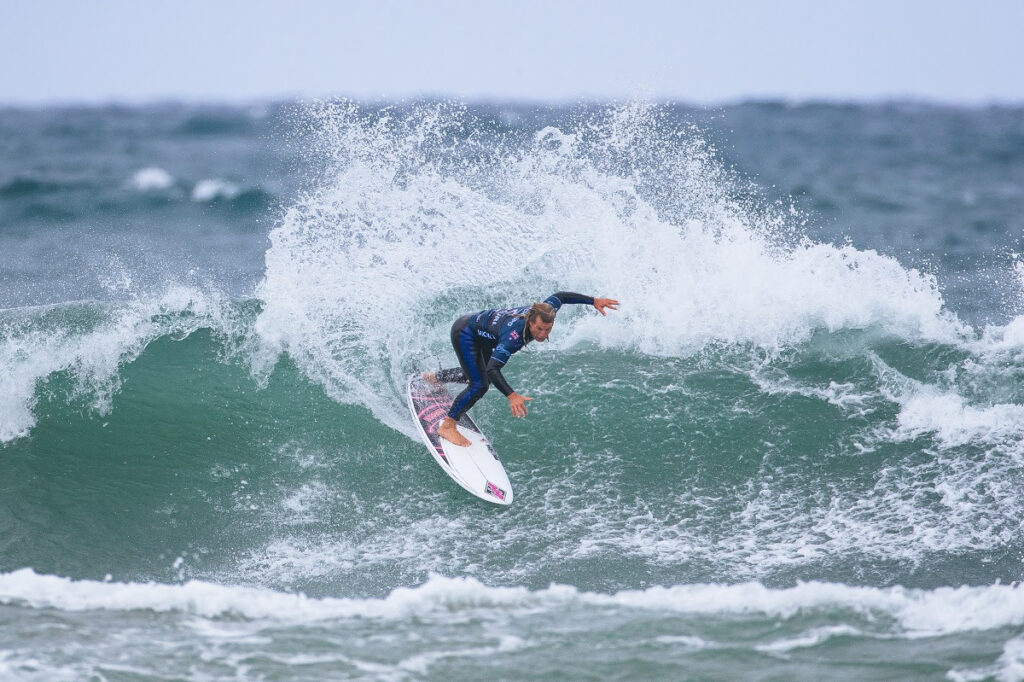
(496, 378)
(558, 299)
(510, 342)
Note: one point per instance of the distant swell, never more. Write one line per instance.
(25, 187)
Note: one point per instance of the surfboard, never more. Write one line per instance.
(477, 467)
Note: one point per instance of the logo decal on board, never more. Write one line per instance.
(494, 490)
(432, 415)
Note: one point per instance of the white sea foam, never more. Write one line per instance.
(909, 510)
(917, 612)
(688, 641)
(848, 397)
(945, 414)
(1003, 340)
(1011, 662)
(1009, 667)
(947, 417)
(213, 189)
(300, 504)
(958, 493)
(811, 638)
(421, 663)
(151, 179)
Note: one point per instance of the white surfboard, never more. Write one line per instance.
(477, 467)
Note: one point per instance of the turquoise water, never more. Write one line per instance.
(794, 453)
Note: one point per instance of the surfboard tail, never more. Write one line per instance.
(477, 467)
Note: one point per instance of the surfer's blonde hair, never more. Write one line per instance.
(545, 312)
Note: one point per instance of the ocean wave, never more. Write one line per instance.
(152, 178)
(917, 612)
(19, 187)
(1009, 667)
(90, 342)
(213, 189)
(217, 191)
(155, 182)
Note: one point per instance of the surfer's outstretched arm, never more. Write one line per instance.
(560, 298)
(603, 304)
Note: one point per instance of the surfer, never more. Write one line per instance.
(485, 341)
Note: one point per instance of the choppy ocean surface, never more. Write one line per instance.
(796, 452)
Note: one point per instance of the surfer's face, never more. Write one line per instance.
(539, 329)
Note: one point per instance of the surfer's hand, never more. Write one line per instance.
(517, 403)
(602, 303)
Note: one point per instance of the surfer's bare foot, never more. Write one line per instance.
(451, 434)
(430, 378)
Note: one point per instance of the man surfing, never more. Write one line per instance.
(485, 341)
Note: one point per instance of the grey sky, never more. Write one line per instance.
(710, 51)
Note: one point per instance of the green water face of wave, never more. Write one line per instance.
(853, 457)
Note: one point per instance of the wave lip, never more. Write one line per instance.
(91, 343)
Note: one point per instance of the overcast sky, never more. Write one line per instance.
(966, 51)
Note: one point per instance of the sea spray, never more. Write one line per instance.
(419, 216)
